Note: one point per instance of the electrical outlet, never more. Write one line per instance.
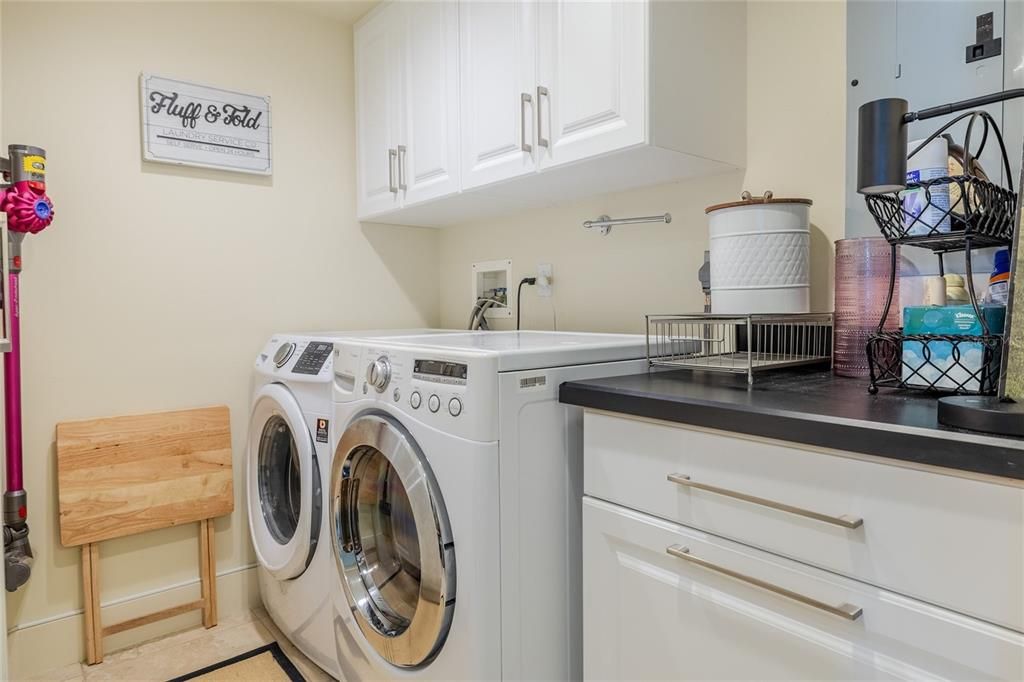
(544, 282)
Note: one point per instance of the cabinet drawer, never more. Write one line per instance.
(649, 614)
(951, 541)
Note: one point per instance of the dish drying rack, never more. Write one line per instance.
(739, 344)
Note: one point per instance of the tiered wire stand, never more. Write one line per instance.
(981, 214)
(739, 344)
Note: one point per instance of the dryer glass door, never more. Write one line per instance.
(392, 541)
(284, 484)
(279, 477)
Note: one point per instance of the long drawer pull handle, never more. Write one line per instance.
(844, 521)
(847, 611)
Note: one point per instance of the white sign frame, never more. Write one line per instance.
(207, 123)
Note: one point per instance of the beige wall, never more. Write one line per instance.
(796, 68)
(156, 286)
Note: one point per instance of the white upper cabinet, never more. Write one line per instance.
(591, 95)
(498, 58)
(407, 119)
(378, 64)
(513, 104)
(429, 159)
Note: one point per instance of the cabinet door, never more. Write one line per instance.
(378, 68)
(497, 66)
(429, 160)
(593, 64)
(652, 614)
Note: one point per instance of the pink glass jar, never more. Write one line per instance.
(863, 269)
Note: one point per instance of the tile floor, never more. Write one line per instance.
(183, 652)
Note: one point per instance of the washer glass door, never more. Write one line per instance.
(392, 541)
(284, 484)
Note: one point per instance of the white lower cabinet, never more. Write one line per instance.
(718, 609)
(940, 538)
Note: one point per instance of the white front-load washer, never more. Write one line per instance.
(288, 465)
(455, 499)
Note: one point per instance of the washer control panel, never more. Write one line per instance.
(378, 374)
(440, 372)
(453, 391)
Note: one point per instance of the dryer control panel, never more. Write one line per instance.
(302, 359)
(313, 358)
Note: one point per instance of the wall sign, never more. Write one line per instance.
(196, 125)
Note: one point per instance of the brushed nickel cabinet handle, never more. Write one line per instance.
(392, 155)
(541, 140)
(847, 611)
(401, 168)
(843, 521)
(524, 99)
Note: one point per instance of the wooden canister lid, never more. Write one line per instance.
(748, 200)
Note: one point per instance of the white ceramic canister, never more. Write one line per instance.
(760, 255)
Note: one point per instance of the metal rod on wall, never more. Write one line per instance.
(605, 223)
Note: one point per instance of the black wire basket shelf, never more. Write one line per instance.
(946, 214)
(937, 363)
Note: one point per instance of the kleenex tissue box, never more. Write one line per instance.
(937, 366)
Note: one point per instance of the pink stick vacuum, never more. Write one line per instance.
(28, 210)
(12, 393)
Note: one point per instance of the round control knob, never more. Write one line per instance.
(434, 403)
(455, 407)
(284, 353)
(415, 400)
(397, 395)
(378, 374)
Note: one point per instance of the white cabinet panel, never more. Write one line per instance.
(527, 102)
(430, 133)
(378, 64)
(593, 59)
(651, 615)
(948, 540)
(497, 44)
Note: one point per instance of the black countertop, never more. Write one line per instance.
(812, 407)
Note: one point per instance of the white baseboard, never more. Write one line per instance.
(58, 641)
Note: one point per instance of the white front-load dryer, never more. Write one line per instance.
(287, 458)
